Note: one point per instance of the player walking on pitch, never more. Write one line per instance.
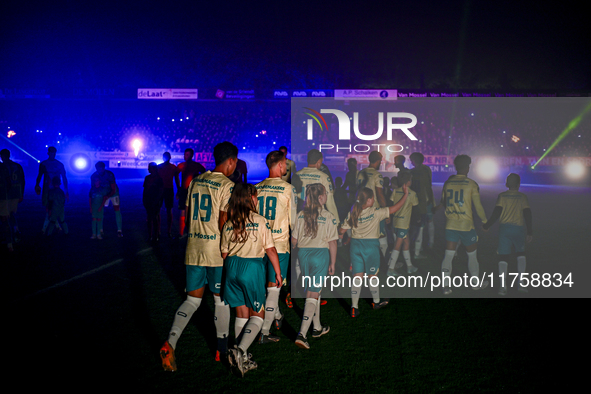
(364, 221)
(277, 203)
(207, 199)
(515, 229)
(401, 223)
(189, 169)
(370, 177)
(246, 239)
(111, 193)
(48, 169)
(16, 191)
(315, 235)
(459, 195)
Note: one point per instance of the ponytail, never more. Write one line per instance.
(363, 195)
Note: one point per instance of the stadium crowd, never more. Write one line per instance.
(256, 127)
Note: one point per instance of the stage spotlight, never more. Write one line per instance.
(80, 162)
(136, 145)
(487, 169)
(575, 170)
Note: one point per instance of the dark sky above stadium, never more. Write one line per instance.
(304, 44)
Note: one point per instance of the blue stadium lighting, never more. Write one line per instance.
(21, 149)
(80, 162)
(158, 118)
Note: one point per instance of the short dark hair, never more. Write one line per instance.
(314, 155)
(99, 164)
(283, 147)
(5, 152)
(403, 177)
(167, 154)
(190, 150)
(462, 162)
(401, 158)
(375, 156)
(223, 151)
(513, 180)
(52, 149)
(417, 157)
(273, 158)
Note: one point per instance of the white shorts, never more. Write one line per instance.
(114, 199)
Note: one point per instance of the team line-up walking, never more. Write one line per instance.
(240, 237)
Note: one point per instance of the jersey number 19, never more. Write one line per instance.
(203, 204)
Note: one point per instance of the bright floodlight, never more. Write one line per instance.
(136, 144)
(487, 169)
(575, 170)
(81, 163)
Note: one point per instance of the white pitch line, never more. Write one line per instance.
(87, 273)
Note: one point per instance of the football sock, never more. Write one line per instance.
(375, 292)
(503, 271)
(222, 317)
(419, 241)
(406, 255)
(520, 266)
(431, 233)
(446, 265)
(298, 268)
(251, 330)
(45, 223)
(355, 294)
(383, 245)
(393, 259)
(118, 220)
(473, 266)
(271, 306)
(309, 310)
(316, 318)
(239, 324)
(181, 318)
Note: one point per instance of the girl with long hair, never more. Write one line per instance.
(316, 236)
(246, 238)
(364, 222)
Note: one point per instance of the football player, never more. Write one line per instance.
(277, 203)
(459, 195)
(370, 177)
(515, 229)
(207, 199)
